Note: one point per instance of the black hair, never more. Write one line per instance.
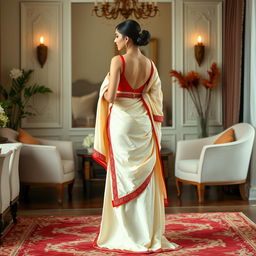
(132, 29)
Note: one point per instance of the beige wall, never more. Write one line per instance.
(10, 38)
(93, 46)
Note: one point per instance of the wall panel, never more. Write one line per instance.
(43, 19)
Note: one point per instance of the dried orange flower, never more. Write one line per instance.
(191, 83)
(213, 77)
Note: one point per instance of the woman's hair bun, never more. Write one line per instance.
(143, 38)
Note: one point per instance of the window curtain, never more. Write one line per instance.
(249, 97)
(249, 108)
(232, 75)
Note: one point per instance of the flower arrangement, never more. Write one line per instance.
(16, 99)
(3, 118)
(88, 142)
(191, 83)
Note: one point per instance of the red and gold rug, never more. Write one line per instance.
(197, 233)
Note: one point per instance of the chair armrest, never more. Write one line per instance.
(4, 181)
(225, 162)
(65, 148)
(40, 164)
(191, 149)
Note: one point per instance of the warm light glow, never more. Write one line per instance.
(140, 9)
(41, 40)
(199, 39)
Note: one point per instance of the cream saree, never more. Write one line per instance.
(127, 144)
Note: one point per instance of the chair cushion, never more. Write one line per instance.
(226, 137)
(68, 166)
(188, 165)
(26, 138)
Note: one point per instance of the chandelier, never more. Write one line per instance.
(126, 8)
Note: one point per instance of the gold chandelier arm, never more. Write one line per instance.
(126, 8)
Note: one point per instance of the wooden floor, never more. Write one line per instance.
(43, 201)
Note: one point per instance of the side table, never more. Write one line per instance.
(88, 170)
(88, 173)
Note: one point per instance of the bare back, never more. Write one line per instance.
(137, 70)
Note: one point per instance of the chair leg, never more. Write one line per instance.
(200, 191)
(178, 187)
(242, 191)
(59, 188)
(14, 207)
(70, 189)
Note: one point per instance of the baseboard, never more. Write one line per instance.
(252, 193)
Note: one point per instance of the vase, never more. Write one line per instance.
(89, 150)
(202, 127)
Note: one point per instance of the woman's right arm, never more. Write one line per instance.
(114, 78)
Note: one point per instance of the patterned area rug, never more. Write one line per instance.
(197, 233)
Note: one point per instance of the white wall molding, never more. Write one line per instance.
(252, 193)
(45, 19)
(202, 18)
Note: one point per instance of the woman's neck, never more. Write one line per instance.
(133, 50)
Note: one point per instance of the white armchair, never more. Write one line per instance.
(13, 175)
(200, 162)
(4, 190)
(49, 164)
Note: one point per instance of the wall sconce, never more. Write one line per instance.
(199, 50)
(41, 52)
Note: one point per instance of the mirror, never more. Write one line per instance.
(92, 49)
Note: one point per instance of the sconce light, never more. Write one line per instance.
(41, 52)
(199, 50)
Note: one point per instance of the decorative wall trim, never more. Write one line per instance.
(202, 18)
(168, 141)
(252, 193)
(37, 19)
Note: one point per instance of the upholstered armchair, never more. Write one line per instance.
(13, 175)
(51, 163)
(4, 190)
(201, 162)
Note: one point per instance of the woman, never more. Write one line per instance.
(127, 144)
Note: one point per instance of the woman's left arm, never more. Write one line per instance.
(114, 78)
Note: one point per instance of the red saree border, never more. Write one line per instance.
(100, 158)
(157, 146)
(117, 201)
(134, 194)
(129, 95)
(159, 119)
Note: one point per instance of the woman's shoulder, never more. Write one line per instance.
(116, 60)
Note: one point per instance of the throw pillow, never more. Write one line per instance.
(226, 137)
(85, 106)
(25, 137)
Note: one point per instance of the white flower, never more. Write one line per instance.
(3, 120)
(1, 110)
(15, 73)
(88, 141)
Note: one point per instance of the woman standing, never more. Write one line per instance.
(127, 144)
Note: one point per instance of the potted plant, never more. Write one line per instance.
(15, 100)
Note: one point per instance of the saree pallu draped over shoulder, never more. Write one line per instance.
(127, 144)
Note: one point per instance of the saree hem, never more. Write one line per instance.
(95, 245)
(99, 158)
(134, 194)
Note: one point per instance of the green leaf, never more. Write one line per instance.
(3, 92)
(35, 89)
